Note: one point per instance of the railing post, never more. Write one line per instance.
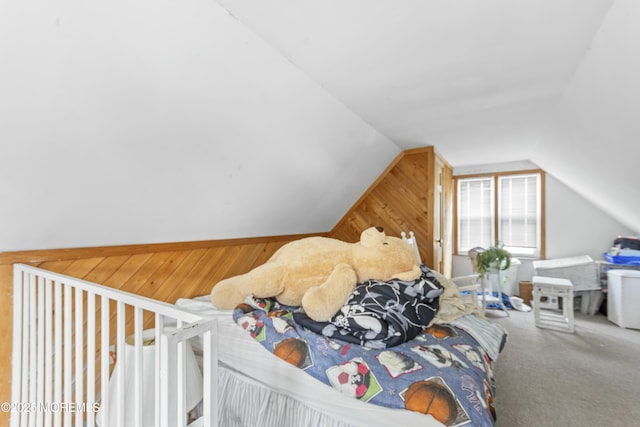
(210, 376)
(50, 364)
(168, 383)
(16, 358)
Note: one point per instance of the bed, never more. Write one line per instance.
(67, 331)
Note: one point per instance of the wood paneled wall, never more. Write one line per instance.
(398, 200)
(163, 272)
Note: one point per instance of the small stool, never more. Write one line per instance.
(553, 287)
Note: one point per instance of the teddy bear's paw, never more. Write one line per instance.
(413, 274)
(322, 302)
(226, 295)
(318, 305)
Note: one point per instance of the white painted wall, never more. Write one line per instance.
(592, 142)
(589, 138)
(575, 226)
(152, 121)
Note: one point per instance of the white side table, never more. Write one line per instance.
(492, 282)
(552, 287)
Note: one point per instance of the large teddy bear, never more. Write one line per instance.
(319, 273)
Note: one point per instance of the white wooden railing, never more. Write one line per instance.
(63, 331)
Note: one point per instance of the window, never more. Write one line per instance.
(504, 207)
(475, 213)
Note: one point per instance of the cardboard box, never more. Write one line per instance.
(526, 292)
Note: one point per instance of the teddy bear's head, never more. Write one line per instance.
(378, 256)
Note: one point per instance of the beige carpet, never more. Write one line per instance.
(548, 378)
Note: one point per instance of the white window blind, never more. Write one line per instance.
(475, 213)
(500, 207)
(519, 213)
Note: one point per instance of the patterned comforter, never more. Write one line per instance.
(381, 314)
(439, 370)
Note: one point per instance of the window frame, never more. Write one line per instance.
(496, 206)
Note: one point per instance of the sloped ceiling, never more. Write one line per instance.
(142, 121)
(409, 66)
(484, 81)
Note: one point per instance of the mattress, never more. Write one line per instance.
(245, 360)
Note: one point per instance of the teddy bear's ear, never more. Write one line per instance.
(372, 237)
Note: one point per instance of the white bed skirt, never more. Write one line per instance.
(258, 389)
(245, 402)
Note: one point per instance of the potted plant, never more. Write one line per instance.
(490, 263)
(493, 259)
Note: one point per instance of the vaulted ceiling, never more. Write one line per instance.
(418, 69)
(141, 121)
(484, 81)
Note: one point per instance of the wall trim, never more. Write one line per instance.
(47, 255)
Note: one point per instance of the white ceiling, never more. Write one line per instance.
(483, 81)
(414, 68)
(149, 121)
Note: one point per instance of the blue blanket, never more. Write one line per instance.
(442, 371)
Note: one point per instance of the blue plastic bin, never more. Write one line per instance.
(617, 259)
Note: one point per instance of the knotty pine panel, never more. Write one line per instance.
(400, 200)
(163, 272)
